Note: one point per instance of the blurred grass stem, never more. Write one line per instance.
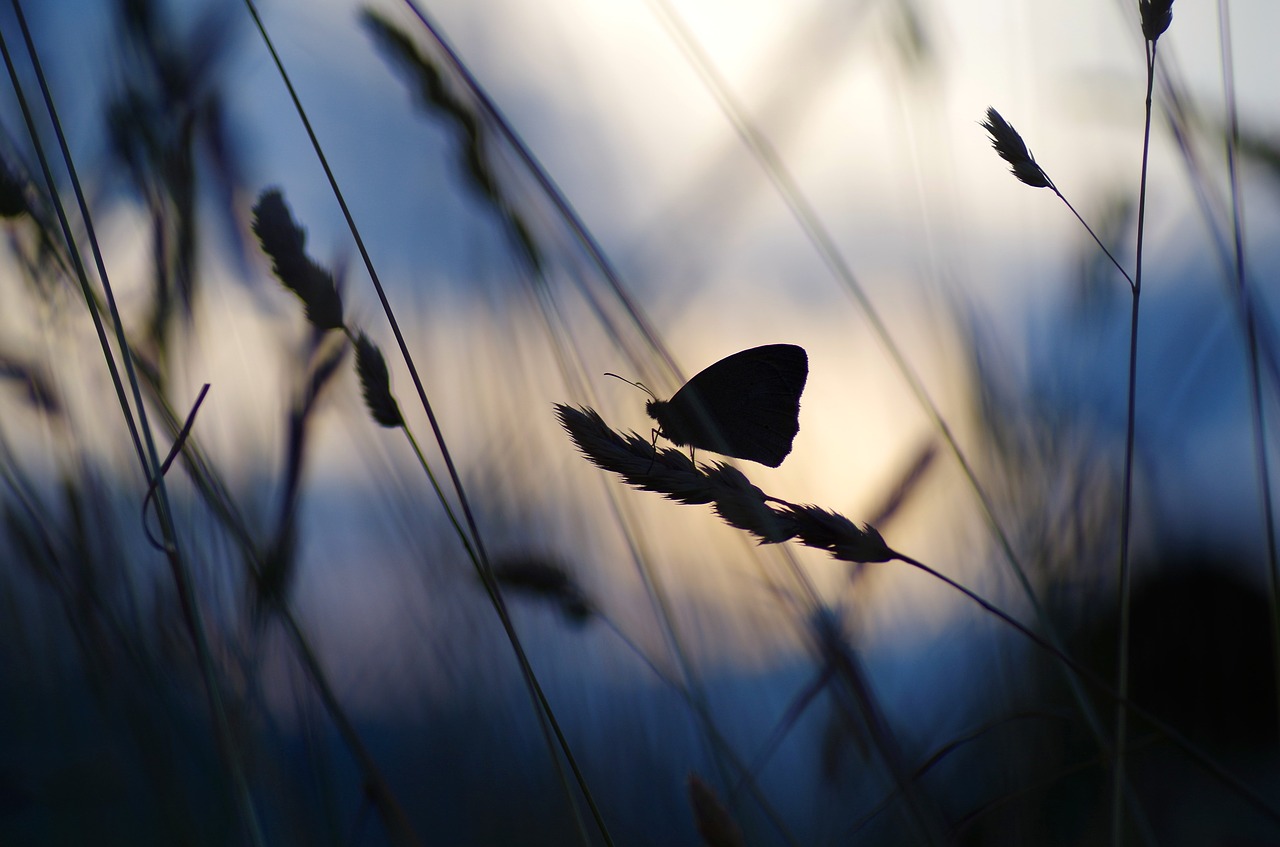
(1126, 503)
(542, 706)
(150, 461)
(1102, 246)
(825, 245)
(1249, 316)
(743, 506)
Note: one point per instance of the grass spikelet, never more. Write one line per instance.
(1009, 144)
(1156, 15)
(37, 389)
(320, 296)
(433, 85)
(547, 579)
(375, 383)
(714, 823)
(284, 241)
(668, 472)
(743, 506)
(281, 239)
(842, 538)
(633, 458)
(432, 90)
(13, 197)
(737, 502)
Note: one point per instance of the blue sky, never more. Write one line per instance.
(889, 155)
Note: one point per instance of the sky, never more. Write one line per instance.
(887, 152)
(654, 152)
(812, 172)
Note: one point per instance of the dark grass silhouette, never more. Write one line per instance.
(134, 682)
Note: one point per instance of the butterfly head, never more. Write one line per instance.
(746, 405)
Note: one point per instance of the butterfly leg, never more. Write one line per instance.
(653, 445)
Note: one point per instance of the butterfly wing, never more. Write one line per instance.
(746, 405)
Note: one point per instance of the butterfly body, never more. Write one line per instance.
(746, 405)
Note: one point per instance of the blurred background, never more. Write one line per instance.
(551, 191)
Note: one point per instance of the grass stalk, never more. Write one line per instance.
(941, 753)
(692, 687)
(212, 489)
(1181, 124)
(1124, 569)
(77, 262)
(635, 313)
(1249, 316)
(1101, 245)
(140, 431)
(474, 117)
(484, 568)
(746, 771)
(399, 831)
(743, 506)
(1156, 17)
(825, 245)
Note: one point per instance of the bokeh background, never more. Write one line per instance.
(553, 191)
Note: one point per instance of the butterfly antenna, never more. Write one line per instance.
(653, 444)
(639, 385)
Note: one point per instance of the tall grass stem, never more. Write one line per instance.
(1126, 503)
(1101, 246)
(1249, 316)
(150, 461)
(552, 191)
(543, 707)
(745, 507)
(825, 245)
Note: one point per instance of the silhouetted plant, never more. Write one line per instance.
(1156, 16)
(679, 479)
(167, 132)
(285, 242)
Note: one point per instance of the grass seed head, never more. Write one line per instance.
(668, 472)
(743, 506)
(13, 197)
(285, 242)
(545, 578)
(321, 298)
(375, 382)
(1007, 142)
(739, 503)
(281, 239)
(816, 527)
(1156, 17)
(714, 823)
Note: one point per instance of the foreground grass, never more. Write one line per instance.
(162, 665)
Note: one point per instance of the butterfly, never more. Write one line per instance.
(746, 405)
